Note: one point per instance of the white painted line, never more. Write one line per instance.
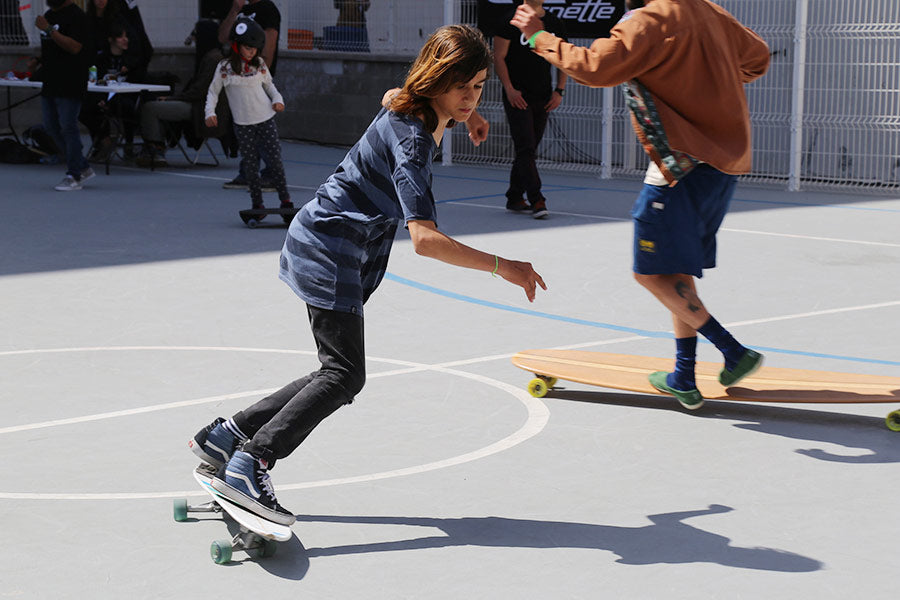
(207, 177)
(537, 417)
(133, 411)
(830, 311)
(812, 237)
(729, 229)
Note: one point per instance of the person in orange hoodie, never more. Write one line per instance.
(682, 65)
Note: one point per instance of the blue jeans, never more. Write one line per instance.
(61, 121)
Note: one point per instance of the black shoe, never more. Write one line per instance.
(145, 158)
(259, 206)
(518, 205)
(238, 183)
(245, 480)
(539, 209)
(214, 444)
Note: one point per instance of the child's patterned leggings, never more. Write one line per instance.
(256, 140)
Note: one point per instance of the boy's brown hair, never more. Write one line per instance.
(453, 54)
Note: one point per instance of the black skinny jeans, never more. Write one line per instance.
(279, 423)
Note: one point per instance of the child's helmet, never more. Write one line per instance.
(248, 32)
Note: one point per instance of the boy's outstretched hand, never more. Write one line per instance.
(478, 128)
(521, 274)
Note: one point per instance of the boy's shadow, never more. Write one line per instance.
(667, 540)
(847, 430)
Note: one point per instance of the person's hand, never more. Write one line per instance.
(478, 128)
(527, 21)
(278, 107)
(212, 121)
(516, 99)
(521, 274)
(389, 96)
(555, 101)
(42, 23)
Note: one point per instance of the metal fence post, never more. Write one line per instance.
(606, 124)
(447, 146)
(799, 76)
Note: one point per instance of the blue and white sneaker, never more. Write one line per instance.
(214, 444)
(245, 481)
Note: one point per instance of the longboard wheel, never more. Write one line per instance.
(893, 420)
(252, 223)
(267, 548)
(180, 509)
(220, 550)
(551, 381)
(538, 388)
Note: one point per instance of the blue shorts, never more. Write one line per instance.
(675, 227)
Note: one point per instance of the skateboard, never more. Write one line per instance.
(252, 216)
(768, 384)
(257, 535)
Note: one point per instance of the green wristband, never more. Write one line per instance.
(532, 39)
(496, 265)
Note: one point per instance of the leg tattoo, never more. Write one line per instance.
(693, 302)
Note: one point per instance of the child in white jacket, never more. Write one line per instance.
(254, 100)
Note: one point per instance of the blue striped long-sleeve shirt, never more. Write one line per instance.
(337, 247)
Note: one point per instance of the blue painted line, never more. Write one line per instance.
(600, 325)
(484, 197)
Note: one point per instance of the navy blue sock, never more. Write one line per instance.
(730, 348)
(685, 359)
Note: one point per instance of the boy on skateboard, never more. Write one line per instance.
(336, 253)
(683, 65)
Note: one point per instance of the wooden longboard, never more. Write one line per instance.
(256, 533)
(768, 384)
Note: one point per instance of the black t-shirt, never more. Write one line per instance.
(528, 72)
(65, 75)
(266, 14)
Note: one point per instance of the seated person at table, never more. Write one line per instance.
(115, 62)
(106, 15)
(186, 106)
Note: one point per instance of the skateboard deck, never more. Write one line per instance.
(256, 533)
(252, 216)
(768, 384)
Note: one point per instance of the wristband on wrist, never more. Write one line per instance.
(496, 265)
(532, 39)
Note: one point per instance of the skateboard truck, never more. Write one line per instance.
(221, 550)
(256, 536)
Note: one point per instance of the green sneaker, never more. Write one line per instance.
(750, 361)
(690, 399)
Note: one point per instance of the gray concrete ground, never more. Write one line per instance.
(137, 310)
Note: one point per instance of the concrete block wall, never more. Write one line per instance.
(330, 97)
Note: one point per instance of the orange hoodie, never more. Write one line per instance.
(692, 57)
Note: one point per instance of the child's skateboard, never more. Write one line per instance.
(768, 384)
(256, 534)
(252, 216)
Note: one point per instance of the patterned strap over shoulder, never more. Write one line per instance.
(640, 101)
